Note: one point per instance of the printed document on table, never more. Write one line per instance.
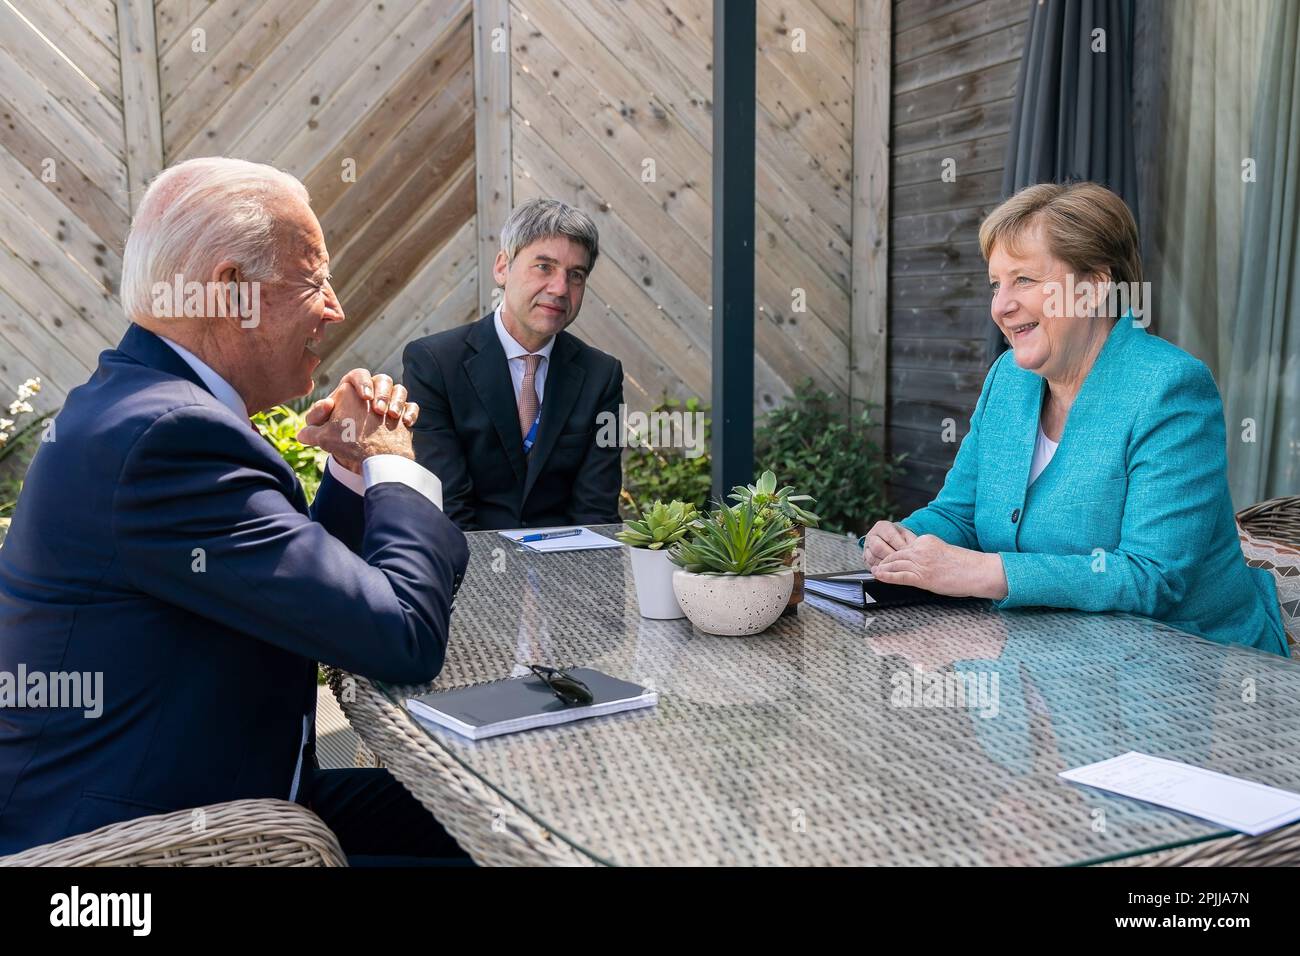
(1243, 805)
(584, 541)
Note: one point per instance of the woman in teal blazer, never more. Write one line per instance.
(1094, 474)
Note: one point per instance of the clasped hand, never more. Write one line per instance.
(363, 416)
(896, 555)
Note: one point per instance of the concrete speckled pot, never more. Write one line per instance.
(733, 605)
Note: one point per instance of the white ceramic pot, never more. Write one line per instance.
(731, 604)
(653, 574)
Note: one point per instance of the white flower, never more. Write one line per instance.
(6, 424)
(3, 438)
(20, 407)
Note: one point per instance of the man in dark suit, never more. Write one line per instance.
(512, 406)
(163, 547)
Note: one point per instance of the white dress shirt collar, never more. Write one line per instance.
(512, 348)
(221, 390)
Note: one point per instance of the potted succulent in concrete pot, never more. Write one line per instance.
(767, 500)
(648, 540)
(733, 578)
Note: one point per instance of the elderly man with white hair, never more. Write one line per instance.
(162, 547)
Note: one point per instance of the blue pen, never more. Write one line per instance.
(547, 535)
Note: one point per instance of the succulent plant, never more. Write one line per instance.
(661, 525)
(733, 540)
(767, 498)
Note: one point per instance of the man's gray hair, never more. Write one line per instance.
(544, 218)
(200, 213)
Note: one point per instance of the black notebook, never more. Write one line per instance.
(522, 703)
(861, 589)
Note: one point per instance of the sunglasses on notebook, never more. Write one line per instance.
(563, 685)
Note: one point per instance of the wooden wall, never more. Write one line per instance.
(322, 87)
(600, 90)
(64, 195)
(597, 93)
(316, 87)
(954, 74)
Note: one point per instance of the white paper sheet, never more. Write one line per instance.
(585, 541)
(1243, 805)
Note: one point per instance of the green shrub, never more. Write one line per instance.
(808, 443)
(666, 474)
(18, 444)
(280, 425)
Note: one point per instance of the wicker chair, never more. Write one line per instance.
(1277, 522)
(239, 833)
(1277, 519)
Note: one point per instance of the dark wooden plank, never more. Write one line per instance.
(967, 56)
(912, 13)
(926, 384)
(955, 323)
(911, 413)
(986, 119)
(960, 92)
(926, 444)
(903, 501)
(972, 156)
(938, 258)
(924, 477)
(966, 190)
(965, 355)
(957, 26)
(942, 291)
(958, 225)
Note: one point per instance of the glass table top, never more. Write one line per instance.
(920, 735)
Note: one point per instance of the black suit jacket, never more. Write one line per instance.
(468, 431)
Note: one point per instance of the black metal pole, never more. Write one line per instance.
(734, 43)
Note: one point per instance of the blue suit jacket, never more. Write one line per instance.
(1133, 511)
(162, 542)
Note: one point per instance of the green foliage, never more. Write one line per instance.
(766, 498)
(736, 540)
(18, 444)
(280, 425)
(660, 525)
(666, 474)
(808, 442)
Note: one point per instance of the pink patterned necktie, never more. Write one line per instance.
(528, 394)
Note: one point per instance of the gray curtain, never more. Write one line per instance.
(1262, 385)
(1199, 67)
(1072, 116)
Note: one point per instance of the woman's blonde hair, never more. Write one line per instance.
(1085, 225)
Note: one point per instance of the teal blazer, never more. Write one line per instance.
(1133, 511)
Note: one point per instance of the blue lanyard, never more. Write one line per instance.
(531, 438)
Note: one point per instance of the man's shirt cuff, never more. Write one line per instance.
(378, 469)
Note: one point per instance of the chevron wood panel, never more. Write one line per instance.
(371, 105)
(63, 191)
(612, 112)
